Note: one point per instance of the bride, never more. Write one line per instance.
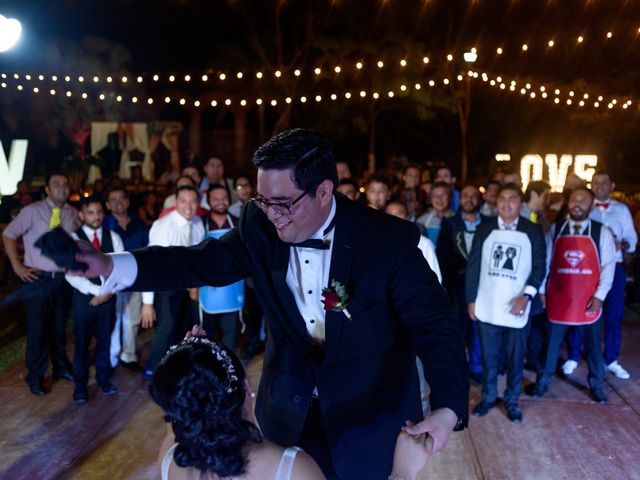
(208, 402)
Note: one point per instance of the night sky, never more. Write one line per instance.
(180, 37)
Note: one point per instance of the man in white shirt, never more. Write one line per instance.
(181, 227)
(616, 216)
(93, 314)
(580, 255)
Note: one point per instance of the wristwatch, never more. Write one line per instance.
(463, 421)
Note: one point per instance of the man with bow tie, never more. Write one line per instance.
(616, 216)
(339, 382)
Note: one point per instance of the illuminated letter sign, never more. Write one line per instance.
(581, 163)
(557, 173)
(528, 163)
(11, 172)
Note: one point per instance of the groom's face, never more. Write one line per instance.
(307, 214)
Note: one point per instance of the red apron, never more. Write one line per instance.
(573, 278)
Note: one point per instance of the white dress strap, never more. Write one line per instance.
(166, 462)
(286, 464)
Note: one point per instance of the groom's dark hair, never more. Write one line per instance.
(309, 155)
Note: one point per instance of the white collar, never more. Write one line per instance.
(89, 231)
(503, 225)
(320, 232)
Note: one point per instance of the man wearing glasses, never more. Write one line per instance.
(339, 376)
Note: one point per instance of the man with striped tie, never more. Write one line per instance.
(46, 317)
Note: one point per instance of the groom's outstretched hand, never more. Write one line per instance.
(438, 425)
(99, 263)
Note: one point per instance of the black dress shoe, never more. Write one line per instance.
(599, 396)
(37, 388)
(64, 375)
(80, 396)
(108, 389)
(483, 408)
(539, 390)
(514, 413)
(133, 366)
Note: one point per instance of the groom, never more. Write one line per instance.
(340, 383)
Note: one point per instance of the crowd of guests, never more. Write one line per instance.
(525, 271)
(192, 208)
(496, 250)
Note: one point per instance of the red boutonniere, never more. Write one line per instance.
(335, 298)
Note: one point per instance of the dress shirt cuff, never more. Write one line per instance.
(601, 293)
(124, 273)
(530, 290)
(147, 298)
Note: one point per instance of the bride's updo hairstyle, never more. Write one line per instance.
(200, 386)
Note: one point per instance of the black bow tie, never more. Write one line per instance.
(313, 243)
(316, 242)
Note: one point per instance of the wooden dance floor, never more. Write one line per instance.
(563, 436)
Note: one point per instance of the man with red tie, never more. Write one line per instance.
(93, 314)
(581, 255)
(616, 216)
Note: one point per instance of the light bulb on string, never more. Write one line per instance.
(150, 101)
(274, 103)
(278, 73)
(432, 83)
(182, 101)
(303, 99)
(580, 39)
(243, 102)
(317, 71)
(196, 103)
(187, 78)
(359, 65)
(363, 93)
(609, 34)
(156, 78)
(376, 95)
(36, 90)
(172, 78)
(380, 64)
(167, 99)
(222, 77)
(258, 75)
(499, 50)
(391, 94)
(318, 98)
(239, 75)
(133, 99)
(337, 69)
(403, 63)
(334, 96)
(205, 78)
(551, 43)
(296, 72)
(227, 102)
(139, 79)
(124, 79)
(425, 60)
(449, 57)
(347, 95)
(525, 47)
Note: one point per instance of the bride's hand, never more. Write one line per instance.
(411, 455)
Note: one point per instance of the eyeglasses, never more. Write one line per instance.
(278, 208)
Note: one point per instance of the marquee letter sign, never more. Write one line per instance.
(11, 172)
(532, 167)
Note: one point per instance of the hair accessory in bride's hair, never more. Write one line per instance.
(220, 354)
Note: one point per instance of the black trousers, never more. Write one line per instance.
(229, 325)
(513, 340)
(175, 314)
(47, 319)
(314, 441)
(90, 321)
(591, 337)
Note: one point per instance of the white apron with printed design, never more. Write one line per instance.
(504, 270)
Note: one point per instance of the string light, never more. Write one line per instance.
(359, 65)
(278, 73)
(551, 43)
(580, 39)
(296, 72)
(172, 78)
(425, 60)
(187, 78)
(499, 50)
(403, 63)
(239, 75)
(525, 47)
(380, 64)
(258, 75)
(222, 76)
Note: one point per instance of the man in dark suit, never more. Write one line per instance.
(339, 382)
(453, 248)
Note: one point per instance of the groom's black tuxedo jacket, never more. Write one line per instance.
(366, 374)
